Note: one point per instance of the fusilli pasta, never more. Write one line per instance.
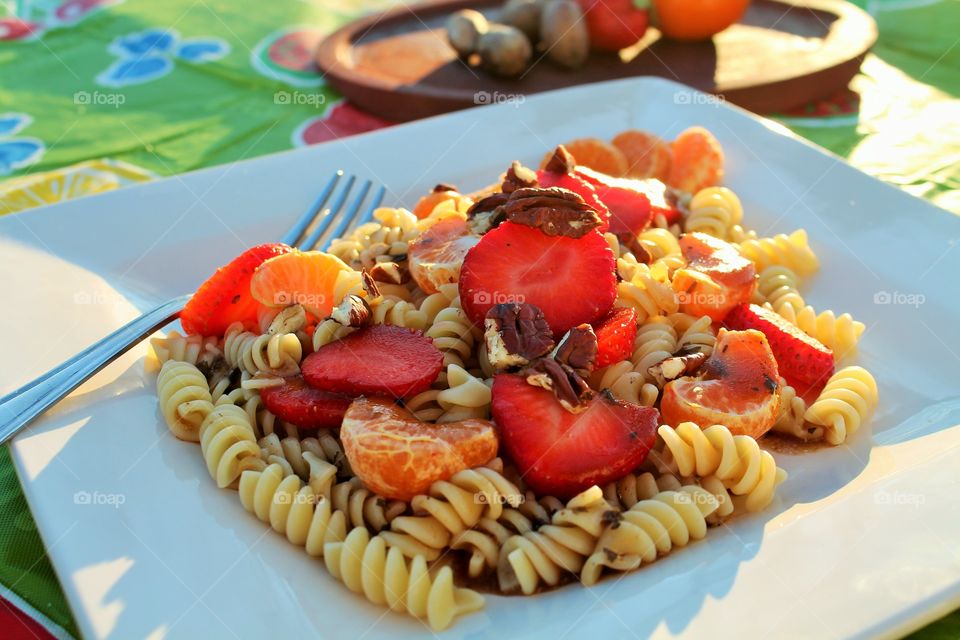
(184, 398)
(228, 444)
(850, 394)
(790, 251)
(280, 352)
(777, 286)
(714, 210)
(174, 346)
(840, 333)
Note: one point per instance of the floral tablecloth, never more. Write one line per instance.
(99, 94)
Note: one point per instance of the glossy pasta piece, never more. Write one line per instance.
(553, 550)
(791, 251)
(696, 334)
(850, 395)
(465, 396)
(292, 508)
(778, 286)
(184, 399)
(656, 341)
(650, 529)
(293, 453)
(663, 248)
(454, 335)
(645, 289)
(391, 310)
(434, 303)
(384, 576)
(280, 352)
(626, 384)
(228, 445)
(450, 508)
(387, 239)
(714, 210)
(791, 420)
(328, 331)
(839, 333)
(363, 507)
(485, 539)
(174, 346)
(737, 461)
(631, 489)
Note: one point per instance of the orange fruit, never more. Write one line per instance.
(738, 386)
(697, 19)
(436, 255)
(596, 154)
(697, 161)
(647, 155)
(399, 457)
(716, 279)
(313, 279)
(429, 202)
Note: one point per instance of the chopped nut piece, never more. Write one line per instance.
(676, 366)
(578, 348)
(389, 272)
(515, 334)
(369, 284)
(519, 177)
(571, 390)
(561, 162)
(487, 213)
(444, 187)
(353, 311)
(633, 245)
(555, 211)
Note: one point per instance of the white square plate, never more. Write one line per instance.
(862, 542)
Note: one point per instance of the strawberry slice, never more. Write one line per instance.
(572, 280)
(633, 204)
(225, 297)
(561, 453)
(802, 360)
(304, 406)
(615, 335)
(559, 171)
(379, 360)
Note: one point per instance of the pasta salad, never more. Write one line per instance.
(566, 375)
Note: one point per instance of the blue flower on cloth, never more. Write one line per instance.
(17, 152)
(151, 54)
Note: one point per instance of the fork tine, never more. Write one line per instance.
(310, 214)
(328, 215)
(348, 219)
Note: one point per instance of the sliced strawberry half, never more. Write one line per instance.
(225, 297)
(633, 200)
(304, 406)
(615, 335)
(803, 361)
(380, 360)
(561, 453)
(571, 279)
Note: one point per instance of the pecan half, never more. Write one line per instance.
(677, 366)
(571, 389)
(555, 211)
(353, 311)
(515, 334)
(562, 161)
(369, 284)
(519, 177)
(632, 243)
(578, 348)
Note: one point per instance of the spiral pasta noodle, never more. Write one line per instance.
(464, 397)
(386, 239)
(633, 488)
(450, 508)
(391, 310)
(791, 251)
(369, 566)
(644, 290)
(737, 461)
(291, 453)
(777, 286)
(254, 353)
(364, 508)
(174, 346)
(292, 508)
(328, 331)
(485, 539)
(625, 384)
(714, 210)
(790, 419)
(655, 342)
(560, 547)
(839, 333)
(184, 398)
(228, 444)
(453, 334)
(650, 529)
(434, 303)
(850, 394)
(663, 248)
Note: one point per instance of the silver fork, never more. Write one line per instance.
(22, 406)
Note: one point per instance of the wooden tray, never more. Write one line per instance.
(782, 54)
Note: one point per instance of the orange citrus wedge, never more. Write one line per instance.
(436, 256)
(647, 155)
(310, 278)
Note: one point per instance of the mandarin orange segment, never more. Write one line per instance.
(647, 155)
(399, 457)
(737, 386)
(717, 277)
(310, 278)
(697, 161)
(436, 256)
(429, 202)
(596, 154)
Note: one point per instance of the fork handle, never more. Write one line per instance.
(20, 407)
